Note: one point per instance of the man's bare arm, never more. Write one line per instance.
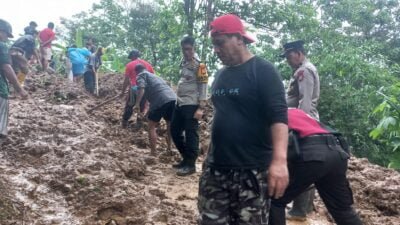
(12, 78)
(278, 175)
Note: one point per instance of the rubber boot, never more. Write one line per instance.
(188, 168)
(302, 205)
(21, 78)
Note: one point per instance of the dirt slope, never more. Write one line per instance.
(62, 165)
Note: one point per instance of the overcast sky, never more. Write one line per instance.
(20, 12)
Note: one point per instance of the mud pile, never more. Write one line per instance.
(63, 165)
(376, 191)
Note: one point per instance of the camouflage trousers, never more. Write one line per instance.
(233, 197)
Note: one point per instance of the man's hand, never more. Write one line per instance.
(198, 114)
(278, 178)
(24, 94)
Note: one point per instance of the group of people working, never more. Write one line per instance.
(181, 110)
(253, 168)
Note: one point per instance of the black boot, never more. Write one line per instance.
(302, 205)
(179, 164)
(124, 124)
(187, 169)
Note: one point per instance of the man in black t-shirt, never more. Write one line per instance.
(246, 163)
(21, 52)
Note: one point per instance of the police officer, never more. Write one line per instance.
(302, 93)
(321, 159)
(191, 100)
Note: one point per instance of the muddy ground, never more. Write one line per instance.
(63, 165)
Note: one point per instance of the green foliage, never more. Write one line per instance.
(79, 38)
(112, 61)
(355, 45)
(388, 129)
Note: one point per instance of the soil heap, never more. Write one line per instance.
(63, 165)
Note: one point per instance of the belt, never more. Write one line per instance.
(322, 139)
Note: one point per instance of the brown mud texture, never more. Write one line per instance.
(63, 165)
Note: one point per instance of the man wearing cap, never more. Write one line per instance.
(46, 36)
(246, 163)
(31, 29)
(6, 74)
(191, 99)
(303, 93)
(317, 155)
(130, 81)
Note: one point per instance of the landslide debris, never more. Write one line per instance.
(63, 165)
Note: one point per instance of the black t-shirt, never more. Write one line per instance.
(26, 43)
(247, 100)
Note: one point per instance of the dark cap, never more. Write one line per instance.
(6, 27)
(134, 54)
(33, 24)
(295, 45)
(229, 24)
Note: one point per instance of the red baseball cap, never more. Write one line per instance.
(229, 24)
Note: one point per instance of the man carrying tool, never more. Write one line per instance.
(90, 76)
(130, 81)
(6, 74)
(162, 102)
(317, 155)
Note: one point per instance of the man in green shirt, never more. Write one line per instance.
(7, 75)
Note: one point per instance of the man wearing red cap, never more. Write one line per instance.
(246, 163)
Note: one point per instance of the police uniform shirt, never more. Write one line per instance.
(190, 89)
(303, 90)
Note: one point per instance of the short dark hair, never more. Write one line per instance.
(139, 68)
(134, 54)
(50, 25)
(187, 40)
(33, 24)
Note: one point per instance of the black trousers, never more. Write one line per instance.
(90, 81)
(183, 121)
(328, 172)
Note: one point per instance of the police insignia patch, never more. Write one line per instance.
(300, 75)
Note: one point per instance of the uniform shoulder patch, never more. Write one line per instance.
(300, 75)
(202, 74)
